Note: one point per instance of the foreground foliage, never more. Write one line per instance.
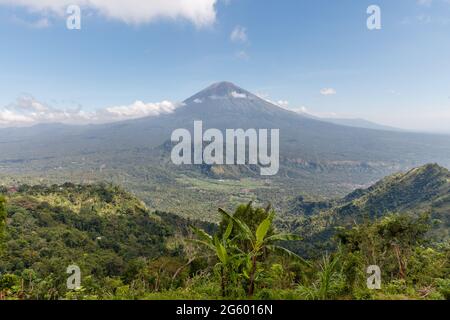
(126, 252)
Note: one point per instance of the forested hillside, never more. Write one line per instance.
(423, 189)
(125, 251)
(101, 228)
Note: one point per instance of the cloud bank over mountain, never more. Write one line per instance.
(27, 110)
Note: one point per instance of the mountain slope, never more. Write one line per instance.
(360, 123)
(102, 229)
(421, 190)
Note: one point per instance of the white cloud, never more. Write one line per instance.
(242, 55)
(233, 94)
(26, 110)
(239, 34)
(140, 109)
(394, 92)
(424, 19)
(328, 91)
(426, 3)
(305, 111)
(301, 110)
(10, 117)
(238, 95)
(200, 12)
(263, 95)
(41, 23)
(283, 103)
(429, 3)
(37, 24)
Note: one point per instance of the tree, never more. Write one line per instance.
(238, 248)
(228, 254)
(2, 216)
(388, 242)
(260, 242)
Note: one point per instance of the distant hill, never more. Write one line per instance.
(421, 190)
(351, 122)
(360, 123)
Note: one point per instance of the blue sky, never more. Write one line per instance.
(292, 51)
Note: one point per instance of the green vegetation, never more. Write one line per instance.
(316, 250)
(127, 252)
(128, 245)
(412, 265)
(107, 232)
(423, 189)
(243, 245)
(2, 216)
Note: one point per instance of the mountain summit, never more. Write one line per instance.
(225, 99)
(221, 90)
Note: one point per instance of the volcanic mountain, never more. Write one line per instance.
(304, 141)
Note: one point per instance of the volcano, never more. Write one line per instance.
(304, 141)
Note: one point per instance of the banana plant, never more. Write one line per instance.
(260, 242)
(228, 254)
